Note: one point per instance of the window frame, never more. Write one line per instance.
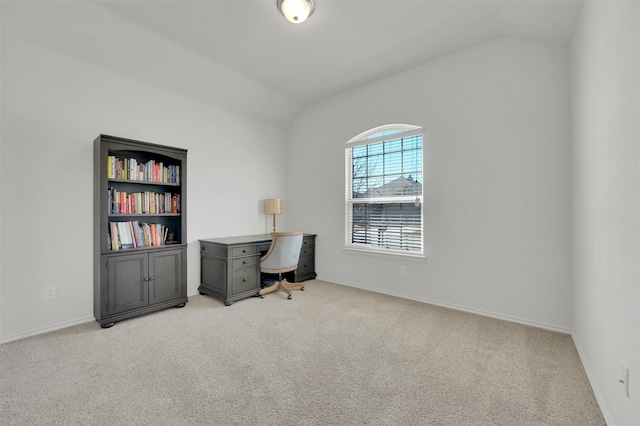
(376, 135)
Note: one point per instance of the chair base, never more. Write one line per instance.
(283, 285)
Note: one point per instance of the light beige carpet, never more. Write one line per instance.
(332, 355)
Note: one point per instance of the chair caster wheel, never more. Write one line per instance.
(289, 297)
(261, 296)
(301, 288)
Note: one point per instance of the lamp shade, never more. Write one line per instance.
(273, 206)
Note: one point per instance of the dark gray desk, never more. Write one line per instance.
(230, 267)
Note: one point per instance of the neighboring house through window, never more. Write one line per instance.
(383, 190)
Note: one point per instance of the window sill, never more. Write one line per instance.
(418, 257)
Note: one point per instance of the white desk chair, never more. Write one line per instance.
(283, 256)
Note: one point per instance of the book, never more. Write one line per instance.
(154, 234)
(131, 232)
(136, 234)
(144, 228)
(125, 235)
(113, 233)
(110, 166)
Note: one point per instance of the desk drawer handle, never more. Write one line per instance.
(244, 251)
(244, 262)
(244, 280)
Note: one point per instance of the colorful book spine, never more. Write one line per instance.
(151, 171)
(132, 234)
(120, 202)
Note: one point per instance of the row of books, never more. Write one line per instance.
(121, 202)
(151, 171)
(132, 234)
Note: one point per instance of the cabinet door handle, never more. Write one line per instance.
(244, 262)
(244, 280)
(244, 251)
(151, 278)
(145, 279)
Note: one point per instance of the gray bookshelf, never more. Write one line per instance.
(140, 228)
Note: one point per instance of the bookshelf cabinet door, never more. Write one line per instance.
(165, 275)
(127, 281)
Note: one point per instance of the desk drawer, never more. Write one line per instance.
(244, 280)
(306, 266)
(243, 251)
(307, 251)
(213, 250)
(308, 247)
(308, 242)
(244, 262)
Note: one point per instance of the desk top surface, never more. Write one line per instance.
(243, 239)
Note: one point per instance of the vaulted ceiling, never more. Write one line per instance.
(247, 54)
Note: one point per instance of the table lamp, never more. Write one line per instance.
(273, 206)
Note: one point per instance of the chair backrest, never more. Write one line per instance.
(283, 254)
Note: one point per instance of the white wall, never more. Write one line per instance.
(1, 197)
(497, 181)
(606, 200)
(53, 107)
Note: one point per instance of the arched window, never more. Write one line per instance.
(383, 190)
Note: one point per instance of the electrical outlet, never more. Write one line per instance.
(624, 378)
(403, 270)
(50, 292)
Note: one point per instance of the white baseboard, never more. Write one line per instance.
(596, 391)
(390, 293)
(46, 329)
(58, 326)
(454, 306)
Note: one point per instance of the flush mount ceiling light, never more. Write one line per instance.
(296, 11)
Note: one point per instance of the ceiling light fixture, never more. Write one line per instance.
(296, 11)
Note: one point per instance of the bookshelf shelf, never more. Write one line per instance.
(116, 181)
(140, 228)
(144, 214)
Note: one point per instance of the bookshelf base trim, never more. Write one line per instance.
(107, 321)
